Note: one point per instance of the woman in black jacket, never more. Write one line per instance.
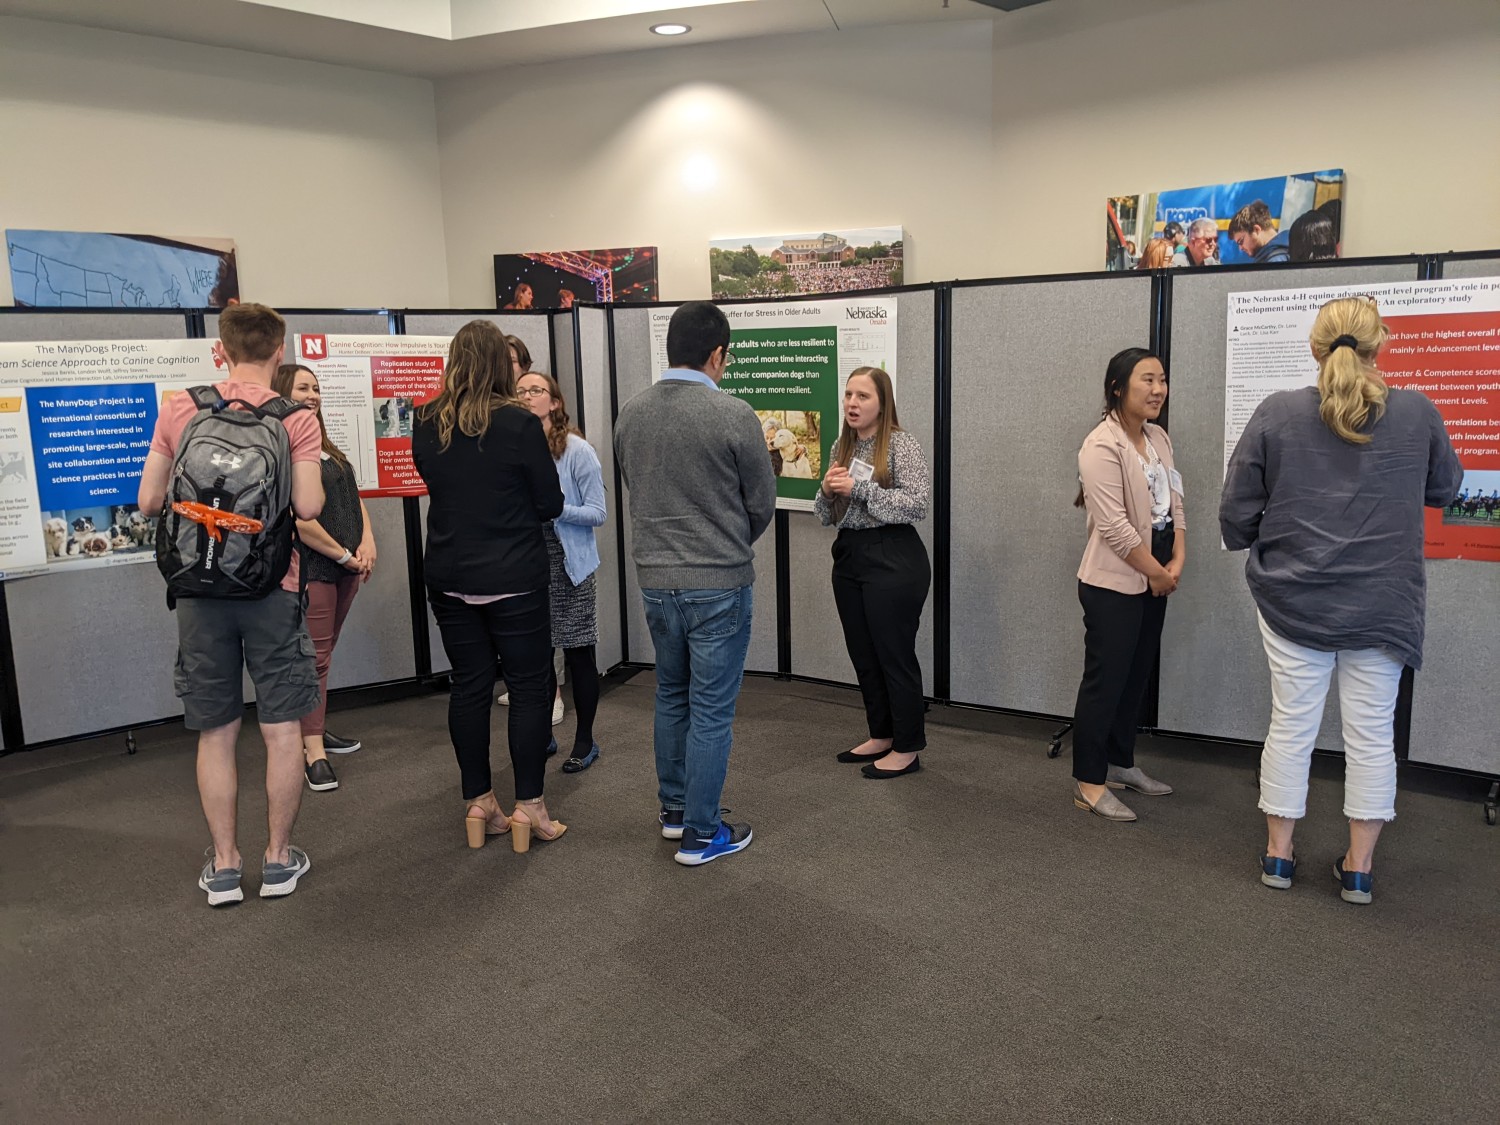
(492, 484)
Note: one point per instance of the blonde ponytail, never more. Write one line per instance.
(1345, 340)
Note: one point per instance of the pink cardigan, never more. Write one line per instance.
(1118, 501)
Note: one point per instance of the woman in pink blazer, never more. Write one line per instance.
(1137, 543)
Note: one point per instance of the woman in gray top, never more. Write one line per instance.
(1326, 488)
(875, 490)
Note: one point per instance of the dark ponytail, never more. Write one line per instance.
(1116, 381)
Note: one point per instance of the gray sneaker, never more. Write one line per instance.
(1135, 778)
(223, 885)
(277, 879)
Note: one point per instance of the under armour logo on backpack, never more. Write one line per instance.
(229, 462)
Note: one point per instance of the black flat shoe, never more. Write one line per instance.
(875, 773)
(849, 756)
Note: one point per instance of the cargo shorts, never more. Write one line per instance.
(218, 640)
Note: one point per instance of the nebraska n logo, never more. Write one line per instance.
(314, 346)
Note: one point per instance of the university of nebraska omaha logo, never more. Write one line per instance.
(314, 346)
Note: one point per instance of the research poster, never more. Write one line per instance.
(76, 420)
(790, 362)
(371, 388)
(1444, 342)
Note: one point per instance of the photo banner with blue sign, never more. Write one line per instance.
(76, 420)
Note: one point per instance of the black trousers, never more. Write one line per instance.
(518, 631)
(880, 581)
(1121, 640)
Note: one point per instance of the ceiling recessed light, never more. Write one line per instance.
(670, 29)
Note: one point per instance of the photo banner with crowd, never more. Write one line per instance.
(790, 362)
(1444, 342)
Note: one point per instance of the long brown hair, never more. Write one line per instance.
(281, 383)
(561, 424)
(523, 354)
(885, 426)
(1352, 391)
(1157, 255)
(478, 379)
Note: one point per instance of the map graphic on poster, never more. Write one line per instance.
(790, 362)
(78, 268)
(1444, 342)
(76, 420)
(372, 386)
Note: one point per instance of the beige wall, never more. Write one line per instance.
(327, 178)
(1095, 98)
(804, 133)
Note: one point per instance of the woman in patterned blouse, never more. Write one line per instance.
(876, 489)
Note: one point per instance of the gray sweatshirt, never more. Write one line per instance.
(1335, 530)
(702, 489)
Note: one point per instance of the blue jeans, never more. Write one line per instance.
(701, 637)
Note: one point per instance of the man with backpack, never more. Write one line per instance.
(227, 469)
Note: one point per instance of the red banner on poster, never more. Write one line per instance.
(400, 385)
(1454, 359)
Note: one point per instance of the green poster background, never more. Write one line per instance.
(791, 376)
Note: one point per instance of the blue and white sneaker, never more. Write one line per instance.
(277, 879)
(730, 838)
(223, 885)
(671, 823)
(1277, 872)
(1354, 886)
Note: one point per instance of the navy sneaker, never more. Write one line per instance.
(277, 879)
(1354, 886)
(223, 885)
(671, 824)
(730, 838)
(1277, 872)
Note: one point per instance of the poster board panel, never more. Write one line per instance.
(818, 648)
(108, 628)
(1028, 375)
(1451, 725)
(1214, 680)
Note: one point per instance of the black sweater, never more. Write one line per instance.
(489, 498)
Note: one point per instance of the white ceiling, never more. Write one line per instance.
(436, 38)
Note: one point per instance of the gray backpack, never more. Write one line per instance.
(226, 529)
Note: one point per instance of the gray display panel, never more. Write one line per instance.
(533, 330)
(1214, 680)
(594, 357)
(817, 637)
(1453, 720)
(633, 375)
(93, 649)
(1028, 376)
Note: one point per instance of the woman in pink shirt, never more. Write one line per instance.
(1136, 547)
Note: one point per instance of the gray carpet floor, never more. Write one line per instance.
(961, 945)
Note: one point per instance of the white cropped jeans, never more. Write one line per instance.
(1368, 681)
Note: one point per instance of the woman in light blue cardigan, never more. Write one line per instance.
(574, 556)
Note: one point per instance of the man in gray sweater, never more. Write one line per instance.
(702, 491)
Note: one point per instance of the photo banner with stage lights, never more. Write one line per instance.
(557, 279)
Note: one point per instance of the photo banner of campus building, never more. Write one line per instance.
(790, 362)
(76, 420)
(371, 387)
(786, 265)
(555, 279)
(1298, 218)
(1444, 342)
(72, 269)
